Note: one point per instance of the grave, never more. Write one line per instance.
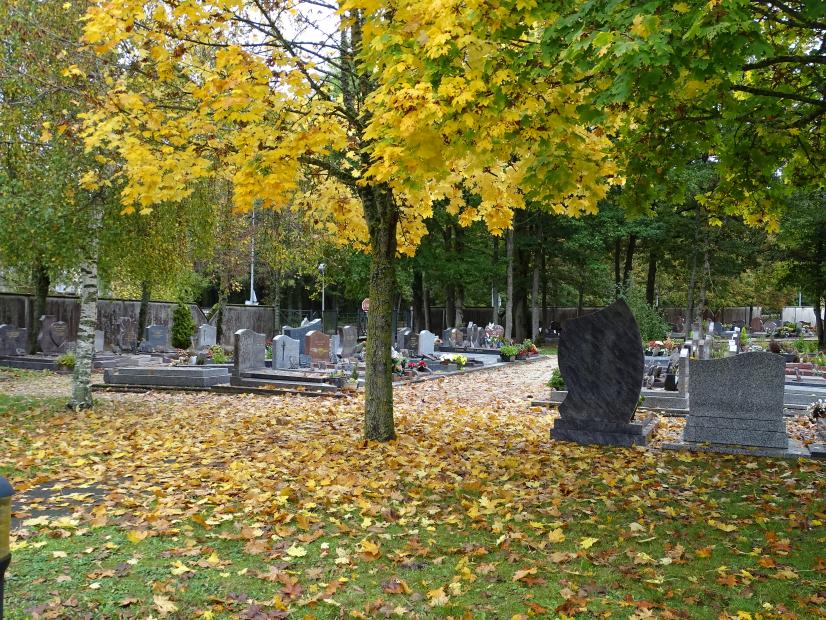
(155, 338)
(427, 341)
(348, 337)
(601, 360)
(756, 324)
(250, 351)
(99, 340)
(298, 333)
(737, 405)
(402, 335)
(205, 337)
(127, 337)
(317, 346)
(52, 336)
(285, 352)
(12, 340)
(167, 376)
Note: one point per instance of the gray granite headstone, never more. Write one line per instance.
(738, 401)
(156, 338)
(285, 352)
(205, 337)
(457, 338)
(298, 333)
(601, 360)
(682, 382)
(427, 341)
(401, 337)
(335, 348)
(99, 339)
(447, 334)
(250, 351)
(317, 346)
(348, 338)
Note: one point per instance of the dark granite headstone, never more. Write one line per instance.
(12, 340)
(401, 338)
(601, 360)
(156, 338)
(298, 333)
(127, 337)
(738, 401)
(52, 335)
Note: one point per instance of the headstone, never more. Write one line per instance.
(52, 335)
(156, 338)
(285, 352)
(298, 333)
(317, 346)
(427, 341)
(756, 324)
(12, 340)
(457, 338)
(771, 326)
(205, 337)
(738, 401)
(250, 351)
(682, 375)
(304, 321)
(732, 348)
(348, 337)
(335, 347)
(127, 337)
(717, 329)
(712, 326)
(601, 360)
(447, 334)
(413, 343)
(99, 338)
(401, 337)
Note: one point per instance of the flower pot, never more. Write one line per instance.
(505, 358)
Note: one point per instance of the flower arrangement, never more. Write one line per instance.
(219, 356)
(455, 358)
(419, 365)
(508, 351)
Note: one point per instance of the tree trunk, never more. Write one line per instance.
(579, 298)
(702, 307)
(693, 277)
(535, 299)
(276, 304)
(425, 304)
(821, 337)
(509, 293)
(460, 306)
(143, 312)
(629, 263)
(416, 303)
(85, 347)
(544, 276)
(382, 217)
(450, 306)
(494, 288)
(651, 280)
(617, 257)
(38, 308)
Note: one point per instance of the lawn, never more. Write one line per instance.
(180, 506)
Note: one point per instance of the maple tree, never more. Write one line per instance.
(337, 113)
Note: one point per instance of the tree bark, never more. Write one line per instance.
(450, 306)
(85, 346)
(821, 337)
(425, 304)
(617, 257)
(535, 299)
(276, 303)
(509, 293)
(580, 298)
(629, 263)
(38, 308)
(651, 280)
(693, 277)
(702, 307)
(494, 288)
(460, 306)
(143, 312)
(382, 217)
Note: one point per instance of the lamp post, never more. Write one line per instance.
(5, 531)
(321, 269)
(253, 300)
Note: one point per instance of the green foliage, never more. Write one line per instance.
(219, 356)
(182, 327)
(556, 382)
(651, 323)
(509, 350)
(66, 360)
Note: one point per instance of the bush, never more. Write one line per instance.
(556, 382)
(183, 327)
(219, 356)
(508, 350)
(67, 361)
(651, 323)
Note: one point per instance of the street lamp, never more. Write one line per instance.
(322, 268)
(253, 300)
(5, 531)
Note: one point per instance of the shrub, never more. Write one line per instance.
(556, 382)
(182, 327)
(67, 361)
(509, 350)
(651, 323)
(219, 356)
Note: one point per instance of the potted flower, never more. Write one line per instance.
(508, 352)
(460, 361)
(556, 382)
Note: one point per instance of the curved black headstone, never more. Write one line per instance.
(601, 360)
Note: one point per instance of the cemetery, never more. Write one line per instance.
(412, 310)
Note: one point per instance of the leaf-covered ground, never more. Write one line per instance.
(189, 505)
